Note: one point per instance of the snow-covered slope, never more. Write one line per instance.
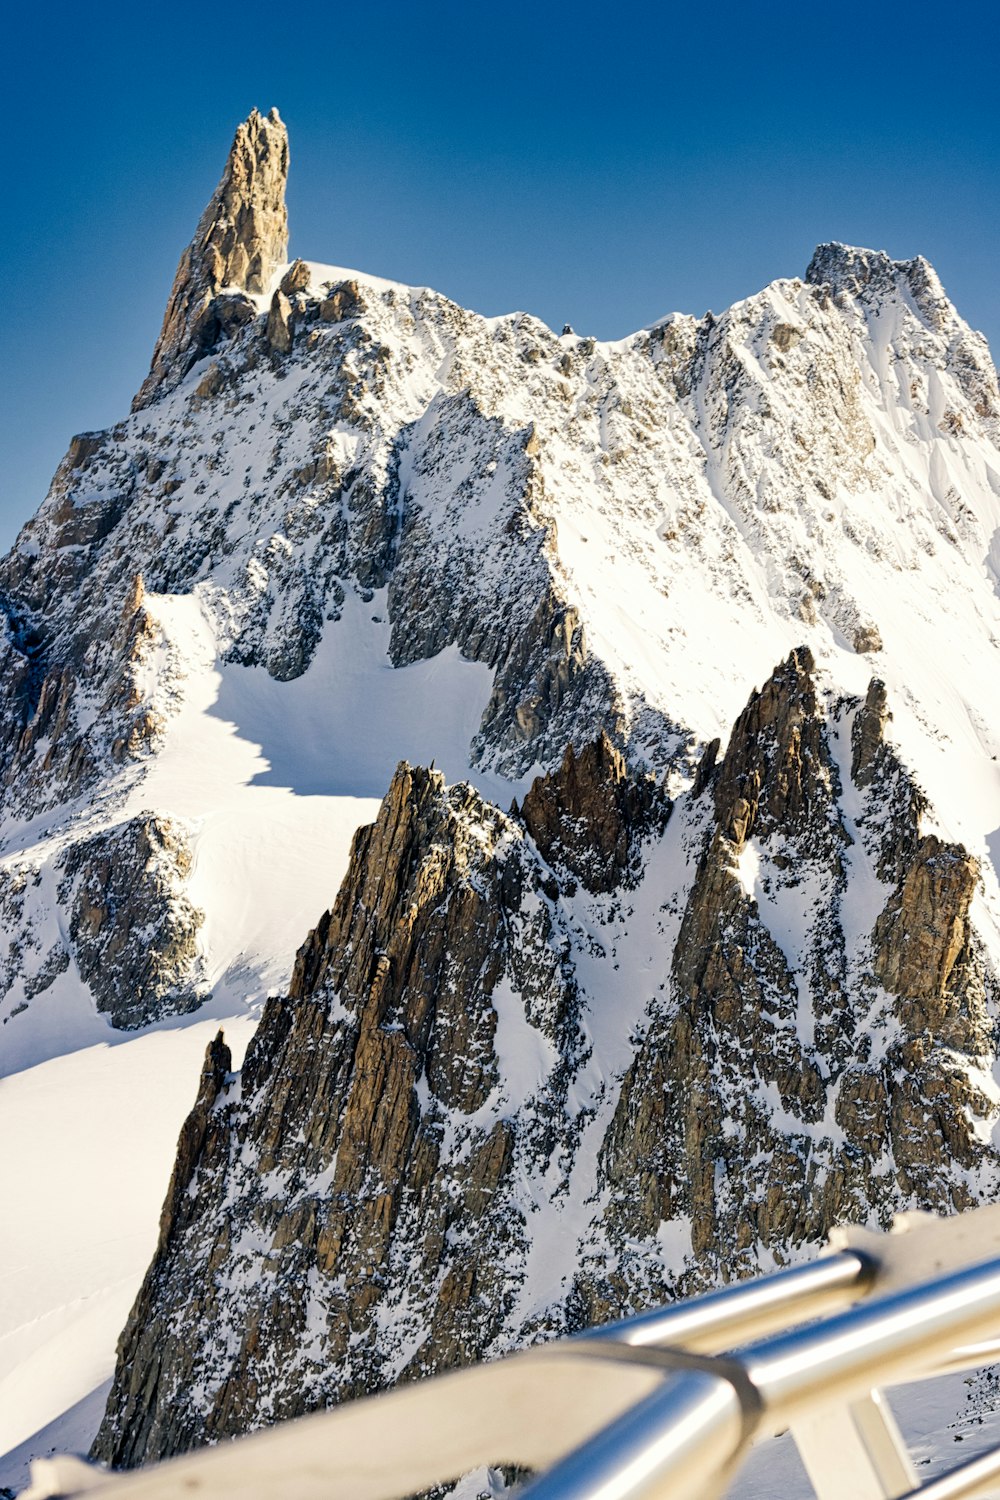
(349, 522)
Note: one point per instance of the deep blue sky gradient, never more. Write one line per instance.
(597, 164)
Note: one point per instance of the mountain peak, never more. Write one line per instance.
(870, 273)
(242, 237)
(849, 267)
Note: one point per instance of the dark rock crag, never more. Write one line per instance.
(49, 756)
(133, 932)
(696, 1124)
(589, 817)
(357, 1124)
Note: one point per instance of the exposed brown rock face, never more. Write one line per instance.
(777, 769)
(279, 324)
(241, 239)
(296, 278)
(351, 1089)
(432, 1154)
(695, 1098)
(694, 1132)
(897, 803)
(194, 1141)
(922, 935)
(47, 757)
(868, 732)
(344, 301)
(590, 815)
(867, 638)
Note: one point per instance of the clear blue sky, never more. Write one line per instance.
(594, 164)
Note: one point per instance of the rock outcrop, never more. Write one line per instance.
(729, 1075)
(279, 324)
(922, 944)
(241, 240)
(368, 1143)
(53, 752)
(725, 1115)
(133, 930)
(590, 816)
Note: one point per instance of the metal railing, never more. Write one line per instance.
(663, 1406)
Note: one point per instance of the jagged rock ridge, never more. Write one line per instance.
(452, 1136)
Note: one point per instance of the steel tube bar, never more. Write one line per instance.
(834, 1362)
(968, 1357)
(749, 1310)
(529, 1410)
(673, 1443)
(879, 1343)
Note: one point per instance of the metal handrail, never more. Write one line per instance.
(683, 1440)
(658, 1407)
(750, 1309)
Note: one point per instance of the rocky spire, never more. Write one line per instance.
(241, 238)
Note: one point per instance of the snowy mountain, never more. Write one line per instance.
(724, 974)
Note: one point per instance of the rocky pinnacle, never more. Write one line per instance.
(242, 237)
